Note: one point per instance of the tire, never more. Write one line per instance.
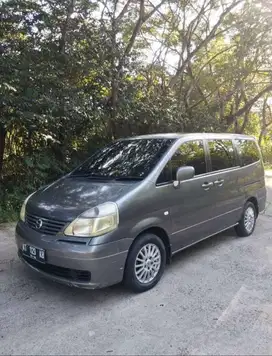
(247, 223)
(139, 266)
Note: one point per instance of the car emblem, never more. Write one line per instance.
(39, 223)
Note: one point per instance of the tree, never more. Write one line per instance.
(76, 74)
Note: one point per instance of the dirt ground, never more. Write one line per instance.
(215, 298)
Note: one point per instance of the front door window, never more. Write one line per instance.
(190, 153)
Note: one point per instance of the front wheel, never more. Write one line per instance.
(247, 223)
(145, 263)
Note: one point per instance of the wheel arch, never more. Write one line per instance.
(254, 201)
(162, 234)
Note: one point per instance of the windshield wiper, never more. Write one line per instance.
(91, 176)
(128, 178)
(78, 175)
(100, 177)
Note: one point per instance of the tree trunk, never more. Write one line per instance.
(248, 105)
(114, 103)
(260, 140)
(2, 146)
(64, 29)
(245, 122)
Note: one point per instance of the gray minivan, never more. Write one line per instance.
(125, 211)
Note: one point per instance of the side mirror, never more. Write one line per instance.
(184, 173)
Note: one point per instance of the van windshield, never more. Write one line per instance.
(125, 159)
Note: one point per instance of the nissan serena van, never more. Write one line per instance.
(130, 207)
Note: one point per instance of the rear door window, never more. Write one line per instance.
(191, 153)
(222, 154)
(248, 151)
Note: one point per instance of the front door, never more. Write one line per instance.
(192, 204)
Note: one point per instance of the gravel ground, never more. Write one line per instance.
(215, 298)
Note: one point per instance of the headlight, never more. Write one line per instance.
(94, 222)
(23, 209)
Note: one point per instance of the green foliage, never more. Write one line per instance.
(28, 174)
(76, 74)
(267, 154)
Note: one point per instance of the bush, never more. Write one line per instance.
(25, 176)
(267, 154)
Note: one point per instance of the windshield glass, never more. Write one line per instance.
(127, 159)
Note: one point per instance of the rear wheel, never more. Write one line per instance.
(145, 263)
(247, 223)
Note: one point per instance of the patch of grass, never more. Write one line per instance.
(10, 205)
(8, 215)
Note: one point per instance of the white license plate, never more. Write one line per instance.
(34, 252)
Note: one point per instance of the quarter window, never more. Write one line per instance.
(188, 154)
(222, 154)
(248, 151)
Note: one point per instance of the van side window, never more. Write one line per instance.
(188, 154)
(222, 154)
(248, 151)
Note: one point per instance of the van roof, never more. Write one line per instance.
(191, 135)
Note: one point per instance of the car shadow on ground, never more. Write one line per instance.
(77, 295)
(203, 247)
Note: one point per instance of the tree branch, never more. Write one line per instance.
(152, 12)
(142, 19)
(135, 31)
(209, 37)
(212, 58)
(64, 29)
(123, 11)
(230, 118)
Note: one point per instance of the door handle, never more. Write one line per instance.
(207, 186)
(219, 182)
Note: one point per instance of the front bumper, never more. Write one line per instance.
(104, 264)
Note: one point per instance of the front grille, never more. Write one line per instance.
(66, 273)
(43, 225)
